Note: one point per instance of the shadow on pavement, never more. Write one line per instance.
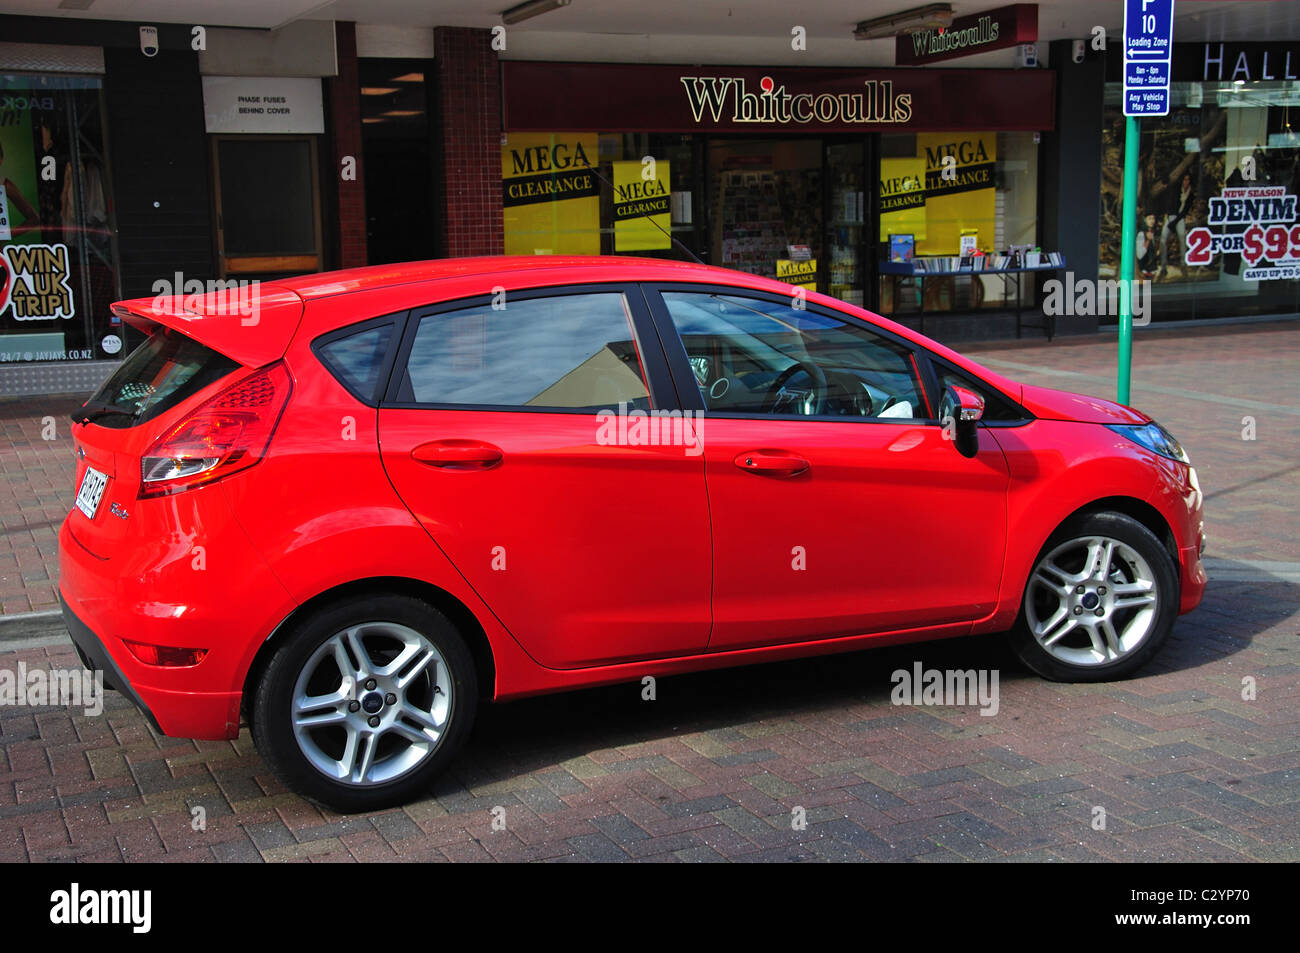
(528, 735)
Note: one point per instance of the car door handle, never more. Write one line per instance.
(772, 462)
(458, 454)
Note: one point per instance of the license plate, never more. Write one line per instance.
(91, 492)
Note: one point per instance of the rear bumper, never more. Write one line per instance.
(152, 593)
(207, 715)
(96, 658)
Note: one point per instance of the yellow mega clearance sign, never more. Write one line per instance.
(946, 188)
(801, 274)
(965, 198)
(550, 199)
(642, 201)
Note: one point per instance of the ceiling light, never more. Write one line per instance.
(932, 16)
(408, 78)
(532, 8)
(377, 90)
(403, 112)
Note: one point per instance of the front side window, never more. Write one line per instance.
(754, 356)
(563, 352)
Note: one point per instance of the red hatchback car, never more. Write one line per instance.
(351, 505)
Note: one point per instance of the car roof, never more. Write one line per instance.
(594, 267)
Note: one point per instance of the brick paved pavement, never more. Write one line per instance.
(1182, 766)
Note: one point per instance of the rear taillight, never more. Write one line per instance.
(227, 434)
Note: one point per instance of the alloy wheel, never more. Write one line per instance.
(1091, 601)
(371, 704)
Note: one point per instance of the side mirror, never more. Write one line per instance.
(960, 411)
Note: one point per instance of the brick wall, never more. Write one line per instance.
(467, 100)
(344, 93)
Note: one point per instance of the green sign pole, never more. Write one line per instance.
(1127, 257)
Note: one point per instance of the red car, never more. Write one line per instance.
(348, 507)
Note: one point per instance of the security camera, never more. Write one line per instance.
(1078, 51)
(149, 40)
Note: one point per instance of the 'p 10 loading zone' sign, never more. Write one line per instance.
(34, 282)
(1259, 224)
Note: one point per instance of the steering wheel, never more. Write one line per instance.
(819, 388)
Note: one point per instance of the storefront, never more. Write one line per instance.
(140, 160)
(809, 175)
(58, 254)
(1218, 184)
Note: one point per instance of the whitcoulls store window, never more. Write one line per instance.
(58, 271)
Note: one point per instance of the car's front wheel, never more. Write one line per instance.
(365, 702)
(1100, 601)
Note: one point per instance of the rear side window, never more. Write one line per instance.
(357, 360)
(562, 352)
(161, 373)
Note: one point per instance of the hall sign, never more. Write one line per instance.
(965, 36)
(626, 97)
(1250, 61)
(263, 104)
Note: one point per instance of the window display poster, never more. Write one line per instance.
(1181, 164)
(642, 206)
(801, 274)
(902, 197)
(948, 187)
(550, 198)
(1257, 223)
(18, 175)
(960, 192)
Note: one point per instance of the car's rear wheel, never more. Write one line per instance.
(1100, 601)
(366, 702)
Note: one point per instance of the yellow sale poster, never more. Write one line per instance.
(902, 198)
(801, 274)
(550, 198)
(959, 188)
(642, 205)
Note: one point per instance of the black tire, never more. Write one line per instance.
(272, 721)
(1130, 532)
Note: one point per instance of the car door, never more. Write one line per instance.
(838, 506)
(500, 430)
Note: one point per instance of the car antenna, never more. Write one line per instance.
(650, 218)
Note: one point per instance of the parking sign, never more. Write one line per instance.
(1148, 56)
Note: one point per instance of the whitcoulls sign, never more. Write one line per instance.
(266, 105)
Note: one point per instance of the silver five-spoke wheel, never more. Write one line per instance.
(371, 703)
(1092, 600)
